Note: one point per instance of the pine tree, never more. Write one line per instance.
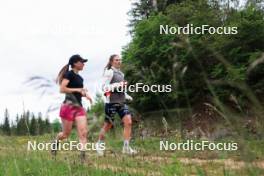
(21, 126)
(17, 120)
(41, 124)
(47, 126)
(27, 121)
(33, 125)
(6, 126)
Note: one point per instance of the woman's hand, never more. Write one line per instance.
(81, 91)
(123, 83)
(89, 98)
(85, 93)
(128, 97)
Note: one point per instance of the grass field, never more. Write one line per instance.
(15, 159)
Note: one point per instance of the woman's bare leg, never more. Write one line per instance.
(81, 125)
(66, 129)
(127, 127)
(106, 127)
(127, 135)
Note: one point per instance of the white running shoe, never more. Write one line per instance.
(99, 150)
(128, 150)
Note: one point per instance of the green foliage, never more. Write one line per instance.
(98, 107)
(199, 67)
(56, 126)
(175, 168)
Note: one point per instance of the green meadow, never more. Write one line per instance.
(16, 159)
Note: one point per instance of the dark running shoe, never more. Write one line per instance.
(54, 147)
(82, 157)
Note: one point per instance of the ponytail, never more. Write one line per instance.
(61, 73)
(109, 64)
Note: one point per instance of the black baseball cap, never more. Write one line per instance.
(76, 58)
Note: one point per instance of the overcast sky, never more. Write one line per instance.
(38, 37)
